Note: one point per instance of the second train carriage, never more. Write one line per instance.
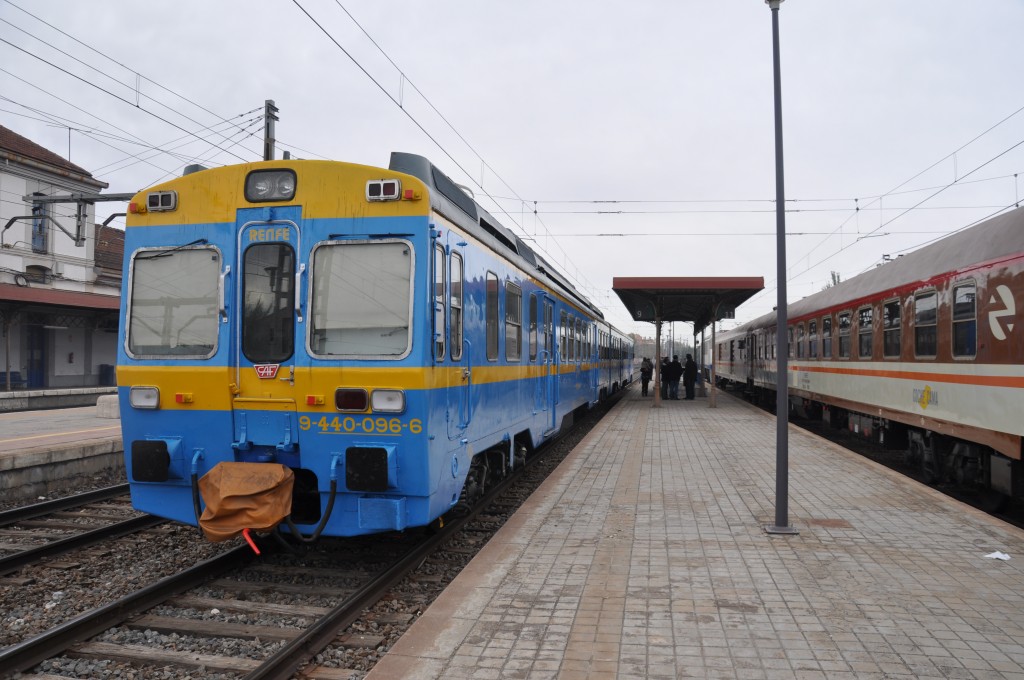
(924, 353)
(357, 346)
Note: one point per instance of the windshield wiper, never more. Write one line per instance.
(171, 251)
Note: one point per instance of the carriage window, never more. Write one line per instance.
(925, 330)
(579, 339)
(362, 299)
(800, 341)
(172, 310)
(891, 329)
(533, 321)
(826, 337)
(439, 336)
(812, 334)
(268, 302)
(513, 322)
(561, 337)
(865, 330)
(549, 335)
(965, 324)
(456, 306)
(844, 335)
(491, 316)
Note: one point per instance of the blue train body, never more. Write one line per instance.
(371, 336)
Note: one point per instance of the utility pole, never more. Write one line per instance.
(269, 118)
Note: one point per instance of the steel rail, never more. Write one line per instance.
(10, 563)
(25, 655)
(46, 507)
(283, 664)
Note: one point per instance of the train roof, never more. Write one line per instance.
(999, 237)
(452, 201)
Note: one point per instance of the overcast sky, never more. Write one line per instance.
(641, 132)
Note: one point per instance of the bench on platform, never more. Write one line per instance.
(17, 381)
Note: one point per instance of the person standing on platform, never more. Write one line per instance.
(664, 377)
(646, 371)
(674, 373)
(689, 376)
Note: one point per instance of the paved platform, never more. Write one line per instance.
(38, 448)
(644, 556)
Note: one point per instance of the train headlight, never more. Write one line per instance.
(387, 401)
(144, 397)
(270, 185)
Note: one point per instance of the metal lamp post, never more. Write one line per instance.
(781, 525)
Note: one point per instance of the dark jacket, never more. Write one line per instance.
(690, 370)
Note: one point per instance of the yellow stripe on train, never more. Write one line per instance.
(224, 387)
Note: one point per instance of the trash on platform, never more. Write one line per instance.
(998, 556)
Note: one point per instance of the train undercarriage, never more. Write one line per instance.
(939, 459)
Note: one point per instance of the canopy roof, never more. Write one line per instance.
(699, 299)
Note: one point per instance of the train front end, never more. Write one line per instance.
(273, 369)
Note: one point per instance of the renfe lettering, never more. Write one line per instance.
(270, 234)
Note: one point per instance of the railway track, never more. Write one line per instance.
(59, 527)
(330, 609)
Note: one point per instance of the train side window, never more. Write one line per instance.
(925, 328)
(439, 300)
(812, 335)
(845, 319)
(790, 346)
(513, 322)
(534, 321)
(561, 336)
(800, 341)
(456, 306)
(891, 329)
(826, 337)
(579, 339)
(491, 315)
(965, 322)
(865, 332)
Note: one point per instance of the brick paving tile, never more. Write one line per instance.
(644, 556)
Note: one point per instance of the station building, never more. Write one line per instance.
(60, 273)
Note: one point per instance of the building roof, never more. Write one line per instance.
(49, 296)
(700, 299)
(15, 145)
(109, 253)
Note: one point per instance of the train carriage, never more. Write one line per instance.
(924, 353)
(348, 349)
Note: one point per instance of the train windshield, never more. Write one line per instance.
(362, 299)
(172, 310)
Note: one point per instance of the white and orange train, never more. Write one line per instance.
(924, 353)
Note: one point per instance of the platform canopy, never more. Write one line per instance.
(701, 300)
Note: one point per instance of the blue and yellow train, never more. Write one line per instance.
(340, 349)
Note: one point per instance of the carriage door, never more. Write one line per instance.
(269, 314)
(549, 372)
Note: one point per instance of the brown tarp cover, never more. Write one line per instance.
(244, 496)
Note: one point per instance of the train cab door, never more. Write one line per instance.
(460, 380)
(549, 359)
(269, 316)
